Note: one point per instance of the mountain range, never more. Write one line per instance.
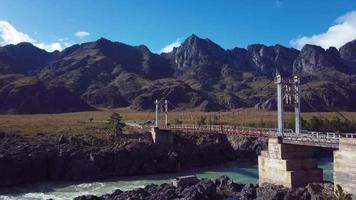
(197, 75)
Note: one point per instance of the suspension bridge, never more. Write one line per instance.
(288, 93)
(290, 153)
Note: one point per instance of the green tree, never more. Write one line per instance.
(115, 124)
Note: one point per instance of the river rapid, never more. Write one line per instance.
(239, 171)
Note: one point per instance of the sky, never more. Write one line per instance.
(164, 24)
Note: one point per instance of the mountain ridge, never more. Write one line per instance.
(198, 75)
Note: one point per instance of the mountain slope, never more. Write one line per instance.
(23, 58)
(25, 94)
(198, 75)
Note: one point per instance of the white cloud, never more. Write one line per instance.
(343, 31)
(169, 47)
(81, 34)
(9, 35)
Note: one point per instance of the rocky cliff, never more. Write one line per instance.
(46, 158)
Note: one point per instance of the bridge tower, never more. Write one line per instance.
(166, 112)
(288, 90)
(294, 165)
(296, 94)
(158, 104)
(280, 103)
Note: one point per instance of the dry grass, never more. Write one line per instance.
(80, 123)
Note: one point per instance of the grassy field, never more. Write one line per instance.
(93, 122)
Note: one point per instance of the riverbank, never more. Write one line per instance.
(241, 171)
(218, 189)
(60, 158)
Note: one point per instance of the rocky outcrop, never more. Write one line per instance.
(348, 51)
(204, 189)
(313, 59)
(221, 188)
(46, 158)
(270, 192)
(195, 51)
(272, 60)
(269, 104)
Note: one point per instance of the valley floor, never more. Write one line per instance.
(93, 122)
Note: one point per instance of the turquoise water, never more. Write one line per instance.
(239, 171)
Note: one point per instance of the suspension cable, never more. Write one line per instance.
(338, 112)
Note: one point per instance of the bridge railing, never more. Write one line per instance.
(288, 134)
(350, 135)
(225, 129)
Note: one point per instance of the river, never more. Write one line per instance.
(239, 171)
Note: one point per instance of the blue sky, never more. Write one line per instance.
(158, 23)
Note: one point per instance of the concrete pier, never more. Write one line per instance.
(288, 165)
(162, 136)
(345, 165)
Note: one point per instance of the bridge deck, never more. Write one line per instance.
(308, 138)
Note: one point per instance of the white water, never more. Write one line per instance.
(239, 171)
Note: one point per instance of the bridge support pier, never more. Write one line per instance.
(345, 165)
(288, 165)
(162, 136)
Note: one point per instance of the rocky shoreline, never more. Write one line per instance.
(221, 188)
(69, 158)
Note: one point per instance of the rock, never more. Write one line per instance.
(88, 197)
(205, 189)
(196, 51)
(347, 51)
(320, 190)
(42, 158)
(273, 59)
(133, 194)
(185, 181)
(62, 140)
(269, 104)
(312, 191)
(162, 192)
(248, 192)
(225, 184)
(271, 192)
(117, 192)
(313, 59)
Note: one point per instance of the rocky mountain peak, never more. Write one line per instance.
(314, 58)
(103, 40)
(196, 51)
(348, 51)
(270, 60)
(310, 59)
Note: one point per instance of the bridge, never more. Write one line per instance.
(290, 153)
(308, 138)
